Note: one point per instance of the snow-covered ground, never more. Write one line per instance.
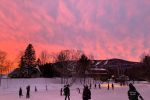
(9, 90)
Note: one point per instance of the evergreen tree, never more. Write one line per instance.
(22, 62)
(29, 58)
(30, 55)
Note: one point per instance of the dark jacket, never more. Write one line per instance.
(20, 92)
(133, 94)
(67, 91)
(86, 94)
(28, 90)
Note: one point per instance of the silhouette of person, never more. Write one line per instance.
(108, 86)
(61, 91)
(112, 85)
(99, 86)
(28, 91)
(67, 92)
(35, 89)
(86, 93)
(133, 94)
(20, 92)
(95, 85)
(78, 90)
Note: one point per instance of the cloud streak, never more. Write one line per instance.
(104, 28)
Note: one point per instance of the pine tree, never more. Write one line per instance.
(22, 62)
(30, 55)
(29, 58)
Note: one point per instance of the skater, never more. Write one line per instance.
(61, 91)
(86, 93)
(133, 94)
(112, 85)
(99, 86)
(67, 92)
(78, 90)
(108, 86)
(35, 89)
(95, 86)
(20, 92)
(28, 91)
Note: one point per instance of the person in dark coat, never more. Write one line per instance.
(86, 93)
(78, 89)
(67, 92)
(28, 91)
(99, 86)
(61, 91)
(112, 85)
(108, 87)
(133, 94)
(20, 92)
(95, 86)
(35, 89)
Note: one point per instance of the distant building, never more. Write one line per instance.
(25, 72)
(99, 74)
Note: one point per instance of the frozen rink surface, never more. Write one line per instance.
(9, 91)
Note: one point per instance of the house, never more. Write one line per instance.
(99, 74)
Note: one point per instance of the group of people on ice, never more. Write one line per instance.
(66, 91)
(133, 94)
(27, 93)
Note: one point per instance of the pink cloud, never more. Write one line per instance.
(106, 29)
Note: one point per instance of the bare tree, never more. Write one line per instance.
(4, 64)
(44, 57)
(62, 58)
(19, 55)
(2, 57)
(68, 60)
(53, 57)
(68, 55)
(83, 66)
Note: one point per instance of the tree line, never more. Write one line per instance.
(28, 60)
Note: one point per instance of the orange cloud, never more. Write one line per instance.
(106, 29)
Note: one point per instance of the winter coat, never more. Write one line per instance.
(66, 91)
(133, 95)
(28, 90)
(20, 92)
(86, 94)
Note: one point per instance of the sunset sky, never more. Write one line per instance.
(104, 28)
